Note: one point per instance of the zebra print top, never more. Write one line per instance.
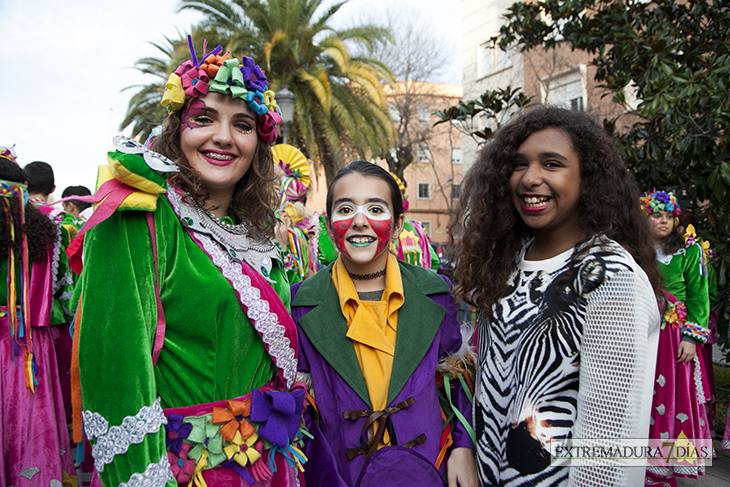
(566, 354)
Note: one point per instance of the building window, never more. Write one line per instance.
(456, 155)
(426, 227)
(424, 191)
(455, 191)
(423, 114)
(491, 59)
(394, 114)
(565, 90)
(423, 153)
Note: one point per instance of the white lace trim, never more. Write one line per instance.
(697, 374)
(117, 439)
(56, 251)
(676, 469)
(156, 475)
(264, 321)
(66, 280)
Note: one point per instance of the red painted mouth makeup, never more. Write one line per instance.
(379, 220)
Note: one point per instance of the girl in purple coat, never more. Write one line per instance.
(375, 334)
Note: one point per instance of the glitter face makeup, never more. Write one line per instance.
(195, 109)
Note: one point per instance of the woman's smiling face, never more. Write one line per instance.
(218, 139)
(362, 220)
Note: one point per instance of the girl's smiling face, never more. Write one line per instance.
(362, 222)
(546, 184)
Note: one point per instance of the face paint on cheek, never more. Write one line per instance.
(654, 222)
(382, 229)
(196, 108)
(339, 229)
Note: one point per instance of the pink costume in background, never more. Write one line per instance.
(35, 443)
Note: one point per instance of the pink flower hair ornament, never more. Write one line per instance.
(223, 74)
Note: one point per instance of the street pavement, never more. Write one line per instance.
(718, 475)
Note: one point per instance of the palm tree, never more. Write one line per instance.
(341, 110)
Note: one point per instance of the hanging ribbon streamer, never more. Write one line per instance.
(18, 295)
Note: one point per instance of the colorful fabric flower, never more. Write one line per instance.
(267, 126)
(253, 75)
(255, 100)
(175, 432)
(194, 80)
(181, 465)
(655, 201)
(233, 416)
(174, 97)
(280, 414)
(229, 80)
(270, 101)
(205, 437)
(212, 63)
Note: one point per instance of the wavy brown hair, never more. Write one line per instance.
(492, 232)
(38, 228)
(254, 198)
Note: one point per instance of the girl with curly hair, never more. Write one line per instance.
(555, 253)
(187, 352)
(680, 389)
(34, 443)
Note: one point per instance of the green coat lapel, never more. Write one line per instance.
(418, 321)
(326, 328)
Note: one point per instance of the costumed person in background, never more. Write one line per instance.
(34, 441)
(77, 212)
(198, 383)
(680, 388)
(375, 336)
(302, 228)
(41, 183)
(556, 255)
(413, 245)
(687, 224)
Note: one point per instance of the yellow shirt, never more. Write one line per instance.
(372, 327)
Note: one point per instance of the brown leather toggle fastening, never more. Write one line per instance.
(384, 421)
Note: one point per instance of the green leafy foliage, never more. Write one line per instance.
(495, 105)
(676, 56)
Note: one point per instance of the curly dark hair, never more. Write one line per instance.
(39, 229)
(254, 198)
(492, 232)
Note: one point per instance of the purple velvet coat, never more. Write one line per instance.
(428, 330)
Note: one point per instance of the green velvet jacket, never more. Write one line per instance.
(211, 350)
(686, 279)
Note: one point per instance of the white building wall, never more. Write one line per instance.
(481, 20)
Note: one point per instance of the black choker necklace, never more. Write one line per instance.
(366, 277)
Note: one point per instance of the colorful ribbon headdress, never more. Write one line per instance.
(655, 201)
(226, 75)
(9, 153)
(17, 310)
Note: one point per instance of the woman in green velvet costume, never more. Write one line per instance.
(187, 354)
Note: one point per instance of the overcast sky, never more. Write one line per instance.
(65, 63)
